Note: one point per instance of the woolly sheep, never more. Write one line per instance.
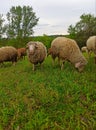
(91, 45)
(67, 49)
(84, 49)
(8, 53)
(53, 52)
(36, 52)
(21, 53)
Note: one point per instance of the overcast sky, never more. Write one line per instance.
(55, 16)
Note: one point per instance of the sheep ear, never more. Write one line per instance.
(77, 65)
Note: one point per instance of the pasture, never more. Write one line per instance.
(48, 98)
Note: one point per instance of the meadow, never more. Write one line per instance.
(48, 98)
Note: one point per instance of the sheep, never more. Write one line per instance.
(91, 46)
(21, 53)
(8, 53)
(52, 51)
(84, 49)
(67, 50)
(36, 52)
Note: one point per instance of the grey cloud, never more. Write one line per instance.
(55, 15)
(42, 25)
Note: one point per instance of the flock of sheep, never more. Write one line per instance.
(65, 49)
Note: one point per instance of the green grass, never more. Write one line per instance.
(47, 99)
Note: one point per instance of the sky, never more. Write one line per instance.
(55, 16)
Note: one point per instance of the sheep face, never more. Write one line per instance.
(31, 48)
(80, 66)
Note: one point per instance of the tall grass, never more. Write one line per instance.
(47, 99)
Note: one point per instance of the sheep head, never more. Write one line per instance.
(80, 66)
(31, 47)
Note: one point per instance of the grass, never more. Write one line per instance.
(47, 99)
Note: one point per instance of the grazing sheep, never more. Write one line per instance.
(91, 45)
(36, 52)
(84, 49)
(67, 49)
(21, 53)
(8, 53)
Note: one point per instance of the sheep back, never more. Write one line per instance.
(91, 44)
(67, 49)
(8, 53)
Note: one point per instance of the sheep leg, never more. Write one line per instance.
(62, 65)
(53, 61)
(58, 61)
(40, 65)
(33, 67)
(24, 57)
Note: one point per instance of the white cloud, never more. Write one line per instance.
(55, 15)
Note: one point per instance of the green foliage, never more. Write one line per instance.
(48, 98)
(21, 42)
(2, 27)
(46, 40)
(83, 29)
(21, 21)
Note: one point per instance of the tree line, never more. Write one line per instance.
(21, 20)
(83, 29)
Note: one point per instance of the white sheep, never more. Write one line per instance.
(84, 49)
(67, 50)
(53, 52)
(36, 52)
(8, 53)
(91, 45)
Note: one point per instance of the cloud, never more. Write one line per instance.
(43, 25)
(55, 16)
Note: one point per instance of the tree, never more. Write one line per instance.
(21, 21)
(2, 26)
(83, 29)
